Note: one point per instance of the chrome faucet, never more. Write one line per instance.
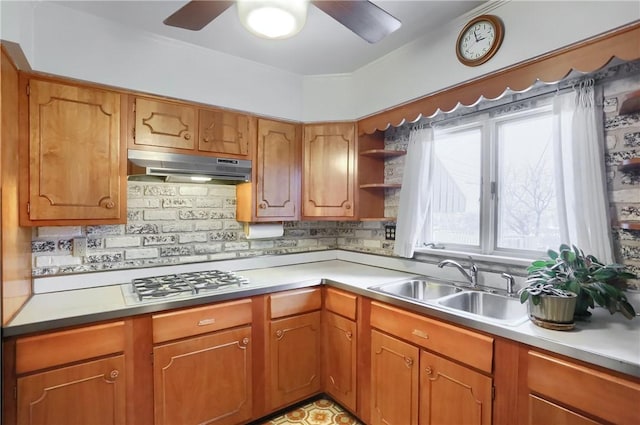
(471, 276)
(510, 283)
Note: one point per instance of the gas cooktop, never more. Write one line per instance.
(180, 285)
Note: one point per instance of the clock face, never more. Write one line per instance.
(479, 40)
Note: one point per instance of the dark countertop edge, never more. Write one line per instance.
(419, 308)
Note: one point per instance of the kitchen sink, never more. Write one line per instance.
(418, 289)
(493, 307)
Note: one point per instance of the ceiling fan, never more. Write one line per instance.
(364, 18)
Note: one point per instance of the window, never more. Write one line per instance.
(494, 180)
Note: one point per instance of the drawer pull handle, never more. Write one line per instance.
(408, 361)
(206, 322)
(349, 335)
(279, 334)
(245, 341)
(419, 333)
(428, 370)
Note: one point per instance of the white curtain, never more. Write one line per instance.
(415, 195)
(582, 195)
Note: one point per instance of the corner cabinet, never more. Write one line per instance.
(274, 192)
(74, 165)
(329, 171)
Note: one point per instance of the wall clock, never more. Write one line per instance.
(479, 40)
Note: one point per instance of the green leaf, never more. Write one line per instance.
(539, 264)
(524, 295)
(627, 310)
(535, 299)
(552, 254)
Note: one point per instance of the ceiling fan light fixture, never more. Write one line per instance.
(275, 19)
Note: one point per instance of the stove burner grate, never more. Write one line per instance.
(185, 284)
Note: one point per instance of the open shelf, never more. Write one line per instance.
(630, 225)
(630, 103)
(382, 153)
(630, 165)
(380, 186)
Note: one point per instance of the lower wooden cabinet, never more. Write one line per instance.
(394, 381)
(453, 394)
(294, 359)
(340, 347)
(86, 393)
(543, 412)
(206, 379)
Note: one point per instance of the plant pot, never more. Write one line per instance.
(553, 310)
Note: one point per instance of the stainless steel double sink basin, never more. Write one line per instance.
(485, 306)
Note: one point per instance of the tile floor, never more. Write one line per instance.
(318, 412)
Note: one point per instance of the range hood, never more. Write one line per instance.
(190, 168)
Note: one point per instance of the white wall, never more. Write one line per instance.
(66, 42)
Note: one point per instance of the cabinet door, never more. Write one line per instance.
(294, 363)
(277, 171)
(165, 124)
(340, 346)
(224, 132)
(86, 393)
(451, 394)
(204, 380)
(394, 381)
(75, 168)
(328, 170)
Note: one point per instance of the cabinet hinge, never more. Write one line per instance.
(28, 207)
(28, 89)
(15, 393)
(493, 393)
(133, 133)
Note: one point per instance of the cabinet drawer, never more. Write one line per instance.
(58, 348)
(294, 302)
(543, 412)
(603, 395)
(195, 321)
(460, 344)
(342, 303)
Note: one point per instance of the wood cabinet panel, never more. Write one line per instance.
(602, 395)
(460, 344)
(341, 303)
(543, 412)
(165, 124)
(57, 348)
(76, 160)
(200, 320)
(206, 379)
(86, 393)
(225, 132)
(274, 192)
(443, 381)
(340, 355)
(294, 359)
(329, 160)
(394, 381)
(294, 302)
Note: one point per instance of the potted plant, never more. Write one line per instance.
(593, 282)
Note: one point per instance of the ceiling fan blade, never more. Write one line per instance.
(196, 14)
(361, 16)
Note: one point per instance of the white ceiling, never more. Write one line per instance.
(323, 46)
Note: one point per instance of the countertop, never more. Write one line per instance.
(606, 340)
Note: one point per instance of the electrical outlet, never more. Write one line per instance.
(79, 248)
(390, 232)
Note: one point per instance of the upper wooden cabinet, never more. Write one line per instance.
(164, 124)
(76, 171)
(274, 192)
(328, 173)
(185, 128)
